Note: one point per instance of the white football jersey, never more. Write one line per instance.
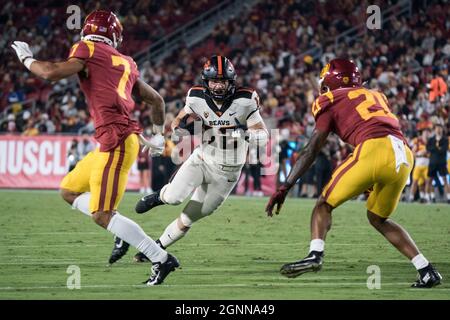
(221, 143)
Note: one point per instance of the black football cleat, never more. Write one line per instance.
(312, 262)
(428, 277)
(161, 270)
(148, 202)
(119, 250)
(140, 257)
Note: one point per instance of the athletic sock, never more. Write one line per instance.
(419, 261)
(82, 203)
(317, 245)
(172, 234)
(129, 231)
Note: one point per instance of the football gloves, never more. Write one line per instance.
(154, 146)
(23, 52)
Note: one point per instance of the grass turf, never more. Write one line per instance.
(234, 254)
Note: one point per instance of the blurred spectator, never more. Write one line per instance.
(45, 125)
(437, 146)
(30, 129)
(73, 155)
(253, 169)
(11, 127)
(85, 146)
(143, 166)
(438, 87)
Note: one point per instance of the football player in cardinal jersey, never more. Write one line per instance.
(108, 78)
(381, 161)
(420, 172)
(231, 121)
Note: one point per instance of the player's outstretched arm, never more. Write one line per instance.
(55, 71)
(307, 156)
(153, 98)
(178, 119)
(52, 71)
(303, 163)
(156, 144)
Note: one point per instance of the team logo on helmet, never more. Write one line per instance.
(345, 80)
(93, 28)
(324, 70)
(206, 114)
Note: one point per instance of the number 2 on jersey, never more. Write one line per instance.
(371, 99)
(117, 61)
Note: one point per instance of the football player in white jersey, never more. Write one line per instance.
(231, 121)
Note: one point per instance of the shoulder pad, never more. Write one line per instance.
(322, 102)
(243, 92)
(197, 92)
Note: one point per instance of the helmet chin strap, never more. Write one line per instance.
(95, 37)
(320, 82)
(117, 42)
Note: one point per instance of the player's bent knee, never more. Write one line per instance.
(375, 220)
(68, 196)
(172, 198)
(102, 218)
(322, 205)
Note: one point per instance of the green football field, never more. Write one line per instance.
(234, 254)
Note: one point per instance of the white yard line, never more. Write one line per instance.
(225, 285)
(127, 261)
(330, 244)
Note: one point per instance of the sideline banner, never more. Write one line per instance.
(39, 162)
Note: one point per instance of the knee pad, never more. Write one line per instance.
(170, 196)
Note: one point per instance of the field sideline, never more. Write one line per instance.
(234, 254)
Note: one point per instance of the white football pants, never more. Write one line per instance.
(210, 183)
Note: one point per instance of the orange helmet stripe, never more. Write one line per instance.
(219, 64)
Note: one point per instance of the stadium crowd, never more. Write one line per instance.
(408, 60)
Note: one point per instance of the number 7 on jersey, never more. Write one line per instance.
(117, 61)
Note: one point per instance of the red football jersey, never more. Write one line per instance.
(355, 115)
(107, 83)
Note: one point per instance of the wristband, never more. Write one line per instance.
(28, 61)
